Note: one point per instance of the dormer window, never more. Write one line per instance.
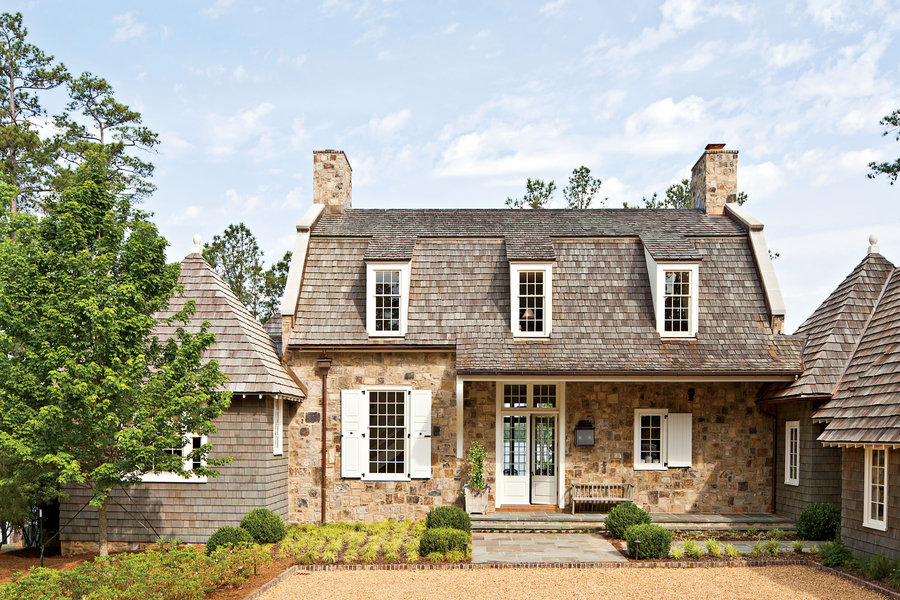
(531, 299)
(673, 265)
(387, 298)
(677, 309)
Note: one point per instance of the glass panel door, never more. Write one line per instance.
(543, 467)
(515, 459)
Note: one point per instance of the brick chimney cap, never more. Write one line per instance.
(715, 146)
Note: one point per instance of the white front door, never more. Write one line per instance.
(543, 459)
(515, 459)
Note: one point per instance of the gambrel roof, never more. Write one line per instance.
(603, 317)
(244, 351)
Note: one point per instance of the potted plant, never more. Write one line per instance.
(476, 489)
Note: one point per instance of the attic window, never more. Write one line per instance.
(677, 309)
(531, 299)
(387, 298)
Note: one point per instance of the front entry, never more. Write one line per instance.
(529, 438)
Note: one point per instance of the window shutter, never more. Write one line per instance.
(420, 434)
(353, 415)
(680, 439)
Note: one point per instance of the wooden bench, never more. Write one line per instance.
(601, 493)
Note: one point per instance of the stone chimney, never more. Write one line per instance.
(331, 181)
(714, 179)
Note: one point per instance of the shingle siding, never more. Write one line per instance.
(863, 539)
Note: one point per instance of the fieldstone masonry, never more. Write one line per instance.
(332, 185)
(714, 179)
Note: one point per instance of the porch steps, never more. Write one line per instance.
(563, 522)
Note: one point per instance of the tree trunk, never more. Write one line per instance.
(104, 534)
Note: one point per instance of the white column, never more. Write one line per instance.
(459, 417)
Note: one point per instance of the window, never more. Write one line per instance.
(792, 452)
(531, 299)
(662, 440)
(875, 505)
(677, 309)
(387, 292)
(193, 442)
(386, 433)
(674, 291)
(278, 427)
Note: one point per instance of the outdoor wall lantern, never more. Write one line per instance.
(584, 433)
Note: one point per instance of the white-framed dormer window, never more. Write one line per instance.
(192, 442)
(876, 485)
(531, 299)
(674, 288)
(792, 452)
(278, 427)
(662, 440)
(387, 298)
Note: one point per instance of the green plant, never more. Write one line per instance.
(475, 458)
(834, 554)
(265, 526)
(455, 556)
(879, 567)
(227, 536)
(713, 548)
(731, 551)
(797, 546)
(894, 579)
(622, 516)
(448, 516)
(443, 539)
(676, 552)
(772, 547)
(819, 521)
(777, 534)
(435, 557)
(757, 550)
(655, 541)
(751, 532)
(693, 549)
(412, 556)
(814, 549)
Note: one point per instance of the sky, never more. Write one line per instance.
(454, 104)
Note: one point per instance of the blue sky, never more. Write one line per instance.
(454, 104)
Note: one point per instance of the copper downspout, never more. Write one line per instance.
(324, 364)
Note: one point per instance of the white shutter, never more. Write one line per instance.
(420, 434)
(680, 439)
(353, 416)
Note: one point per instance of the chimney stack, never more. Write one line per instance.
(714, 179)
(332, 181)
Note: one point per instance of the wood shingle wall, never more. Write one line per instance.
(863, 539)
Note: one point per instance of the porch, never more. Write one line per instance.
(565, 522)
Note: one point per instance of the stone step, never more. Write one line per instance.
(583, 526)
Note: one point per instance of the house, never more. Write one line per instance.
(421, 331)
(252, 431)
(839, 423)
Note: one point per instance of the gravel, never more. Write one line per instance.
(737, 583)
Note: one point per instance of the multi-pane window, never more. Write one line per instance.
(387, 432)
(650, 443)
(192, 443)
(677, 301)
(531, 301)
(544, 445)
(544, 395)
(515, 439)
(515, 395)
(792, 453)
(875, 511)
(387, 301)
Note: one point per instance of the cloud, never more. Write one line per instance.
(291, 60)
(127, 28)
(174, 144)
(370, 35)
(218, 9)
(390, 124)
(844, 15)
(294, 198)
(853, 73)
(230, 133)
(451, 28)
(788, 53)
(699, 57)
(188, 213)
(551, 8)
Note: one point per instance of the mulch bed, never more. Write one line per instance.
(13, 561)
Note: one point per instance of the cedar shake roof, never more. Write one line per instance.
(391, 248)
(669, 247)
(244, 351)
(603, 320)
(834, 329)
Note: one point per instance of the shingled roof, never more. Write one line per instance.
(603, 314)
(244, 351)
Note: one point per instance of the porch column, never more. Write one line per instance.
(459, 417)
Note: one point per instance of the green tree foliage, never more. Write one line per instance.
(890, 169)
(537, 195)
(275, 278)
(582, 189)
(677, 195)
(87, 392)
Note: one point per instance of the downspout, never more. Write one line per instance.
(324, 364)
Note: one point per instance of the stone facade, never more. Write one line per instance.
(714, 179)
(332, 184)
(863, 539)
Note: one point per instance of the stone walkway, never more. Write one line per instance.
(546, 547)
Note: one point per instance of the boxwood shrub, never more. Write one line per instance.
(443, 540)
(448, 516)
(622, 516)
(819, 521)
(655, 540)
(264, 526)
(228, 536)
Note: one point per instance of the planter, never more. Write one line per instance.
(476, 505)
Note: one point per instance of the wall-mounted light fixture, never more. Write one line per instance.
(584, 433)
(690, 394)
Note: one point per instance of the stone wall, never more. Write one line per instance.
(863, 539)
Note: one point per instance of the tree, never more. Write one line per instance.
(677, 195)
(891, 169)
(87, 392)
(236, 256)
(537, 195)
(275, 278)
(582, 188)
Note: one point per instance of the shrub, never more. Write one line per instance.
(757, 550)
(772, 547)
(455, 556)
(693, 549)
(265, 526)
(622, 516)
(676, 552)
(448, 516)
(879, 567)
(834, 554)
(814, 549)
(797, 546)
(443, 540)
(713, 548)
(227, 536)
(731, 551)
(435, 557)
(655, 541)
(819, 521)
(777, 534)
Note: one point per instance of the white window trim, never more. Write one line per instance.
(169, 477)
(657, 273)
(407, 394)
(788, 427)
(404, 269)
(278, 426)
(514, 269)
(663, 442)
(867, 491)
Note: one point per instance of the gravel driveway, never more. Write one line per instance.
(739, 583)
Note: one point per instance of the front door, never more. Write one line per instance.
(543, 459)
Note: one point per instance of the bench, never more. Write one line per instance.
(601, 493)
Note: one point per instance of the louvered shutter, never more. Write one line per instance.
(420, 434)
(353, 439)
(680, 439)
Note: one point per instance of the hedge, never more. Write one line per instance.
(448, 516)
(655, 540)
(443, 540)
(622, 516)
(264, 526)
